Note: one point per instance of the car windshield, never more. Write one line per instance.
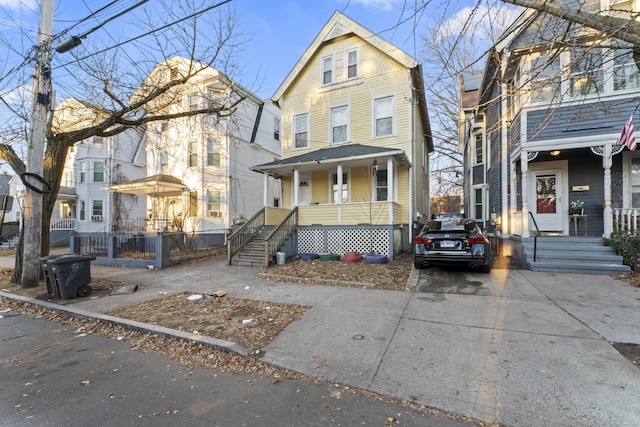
(451, 224)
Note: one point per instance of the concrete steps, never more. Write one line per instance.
(587, 255)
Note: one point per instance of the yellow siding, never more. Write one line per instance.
(361, 183)
(320, 187)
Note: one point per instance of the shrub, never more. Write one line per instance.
(627, 246)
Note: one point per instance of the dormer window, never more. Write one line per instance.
(327, 70)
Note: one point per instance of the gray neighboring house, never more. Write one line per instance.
(539, 134)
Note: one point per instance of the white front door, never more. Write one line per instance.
(547, 190)
(304, 189)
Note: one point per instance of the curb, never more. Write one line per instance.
(229, 346)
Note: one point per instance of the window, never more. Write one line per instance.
(339, 124)
(334, 187)
(383, 116)
(98, 140)
(83, 172)
(300, 134)
(82, 214)
(164, 126)
(193, 101)
(587, 74)
(193, 203)
(352, 64)
(98, 172)
(96, 209)
(327, 70)
(545, 77)
(213, 203)
(213, 153)
(276, 203)
(382, 186)
(193, 154)
(173, 73)
(276, 129)
(477, 204)
(625, 71)
(164, 162)
(479, 149)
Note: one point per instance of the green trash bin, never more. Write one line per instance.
(72, 275)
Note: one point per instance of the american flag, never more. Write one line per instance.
(628, 137)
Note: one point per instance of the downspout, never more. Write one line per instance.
(412, 145)
(504, 154)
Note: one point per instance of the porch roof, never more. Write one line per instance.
(357, 153)
(155, 185)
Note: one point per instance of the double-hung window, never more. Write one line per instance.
(83, 172)
(479, 149)
(98, 171)
(193, 101)
(193, 203)
(213, 152)
(545, 77)
(625, 71)
(276, 129)
(213, 203)
(193, 154)
(352, 63)
(383, 116)
(587, 74)
(335, 187)
(164, 162)
(327, 70)
(339, 124)
(382, 185)
(300, 131)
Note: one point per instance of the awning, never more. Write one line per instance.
(156, 185)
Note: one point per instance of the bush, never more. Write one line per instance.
(627, 246)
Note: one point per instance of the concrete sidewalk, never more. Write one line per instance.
(514, 347)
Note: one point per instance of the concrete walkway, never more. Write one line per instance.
(514, 347)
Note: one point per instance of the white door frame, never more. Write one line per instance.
(561, 169)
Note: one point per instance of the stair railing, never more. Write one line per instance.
(244, 234)
(279, 235)
(535, 238)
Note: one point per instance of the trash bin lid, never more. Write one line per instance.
(70, 258)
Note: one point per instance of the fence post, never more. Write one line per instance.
(74, 245)
(112, 246)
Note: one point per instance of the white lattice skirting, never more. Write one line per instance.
(342, 240)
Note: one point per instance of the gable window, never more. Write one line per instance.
(193, 203)
(213, 203)
(352, 64)
(276, 129)
(300, 133)
(339, 124)
(479, 149)
(382, 186)
(213, 153)
(334, 187)
(193, 154)
(83, 172)
(383, 116)
(625, 71)
(545, 77)
(587, 75)
(327, 70)
(98, 172)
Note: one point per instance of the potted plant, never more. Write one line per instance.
(576, 207)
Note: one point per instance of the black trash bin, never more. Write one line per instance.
(72, 275)
(52, 289)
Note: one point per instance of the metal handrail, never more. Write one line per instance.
(535, 238)
(279, 235)
(245, 233)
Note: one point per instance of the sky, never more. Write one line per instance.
(277, 32)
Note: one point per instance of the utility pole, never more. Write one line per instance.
(41, 104)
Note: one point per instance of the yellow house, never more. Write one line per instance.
(356, 139)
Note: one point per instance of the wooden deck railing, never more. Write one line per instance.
(244, 234)
(277, 237)
(625, 220)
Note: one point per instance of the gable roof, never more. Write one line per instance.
(339, 25)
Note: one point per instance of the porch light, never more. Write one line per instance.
(374, 169)
(555, 152)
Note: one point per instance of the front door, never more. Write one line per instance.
(546, 201)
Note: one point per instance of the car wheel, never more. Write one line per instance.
(485, 269)
(418, 266)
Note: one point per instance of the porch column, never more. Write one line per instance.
(608, 211)
(514, 199)
(265, 190)
(524, 170)
(339, 183)
(391, 194)
(296, 186)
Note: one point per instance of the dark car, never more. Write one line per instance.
(452, 241)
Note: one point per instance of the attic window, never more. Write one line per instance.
(173, 73)
(327, 70)
(352, 64)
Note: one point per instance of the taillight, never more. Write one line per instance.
(475, 240)
(423, 240)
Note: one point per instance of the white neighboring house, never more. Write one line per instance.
(198, 178)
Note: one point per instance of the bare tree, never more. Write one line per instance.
(120, 91)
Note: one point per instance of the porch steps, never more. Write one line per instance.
(252, 255)
(586, 255)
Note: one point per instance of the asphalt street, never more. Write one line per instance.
(52, 375)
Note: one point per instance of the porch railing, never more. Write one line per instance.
(625, 220)
(63, 224)
(244, 234)
(277, 237)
